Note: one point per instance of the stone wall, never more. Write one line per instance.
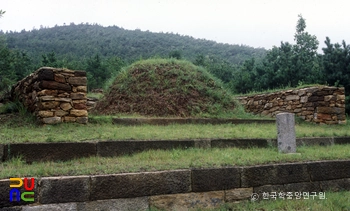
(54, 95)
(181, 189)
(321, 104)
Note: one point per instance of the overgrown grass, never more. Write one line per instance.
(19, 131)
(155, 160)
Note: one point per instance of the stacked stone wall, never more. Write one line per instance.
(54, 95)
(321, 104)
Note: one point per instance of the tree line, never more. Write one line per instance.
(103, 51)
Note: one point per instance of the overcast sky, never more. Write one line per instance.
(257, 23)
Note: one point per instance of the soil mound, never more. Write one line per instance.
(165, 87)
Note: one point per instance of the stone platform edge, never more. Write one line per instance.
(62, 151)
(183, 188)
(168, 121)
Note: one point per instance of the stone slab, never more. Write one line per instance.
(5, 196)
(335, 185)
(51, 151)
(286, 139)
(46, 74)
(53, 207)
(329, 170)
(274, 174)
(168, 121)
(2, 152)
(188, 201)
(320, 141)
(140, 184)
(342, 140)
(117, 148)
(241, 143)
(238, 194)
(55, 85)
(215, 179)
(140, 203)
(64, 189)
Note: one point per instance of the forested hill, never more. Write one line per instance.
(83, 41)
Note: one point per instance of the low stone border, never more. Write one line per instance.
(168, 121)
(67, 150)
(186, 188)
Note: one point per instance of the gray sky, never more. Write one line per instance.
(257, 23)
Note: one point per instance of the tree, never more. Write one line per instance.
(305, 54)
(292, 64)
(336, 63)
(175, 54)
(2, 13)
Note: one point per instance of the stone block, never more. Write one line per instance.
(330, 110)
(335, 185)
(77, 81)
(304, 99)
(314, 98)
(329, 170)
(44, 114)
(2, 152)
(69, 119)
(215, 179)
(340, 97)
(47, 98)
(205, 144)
(188, 201)
(52, 151)
(63, 99)
(51, 120)
(78, 96)
(82, 89)
(82, 120)
(64, 189)
(286, 132)
(78, 113)
(238, 194)
(117, 148)
(320, 141)
(55, 85)
(292, 97)
(303, 187)
(5, 193)
(48, 105)
(342, 140)
(131, 185)
(81, 106)
(65, 106)
(60, 78)
(140, 203)
(60, 113)
(241, 143)
(79, 73)
(53, 207)
(274, 174)
(45, 74)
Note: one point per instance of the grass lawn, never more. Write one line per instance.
(19, 131)
(155, 160)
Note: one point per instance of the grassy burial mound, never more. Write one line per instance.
(165, 87)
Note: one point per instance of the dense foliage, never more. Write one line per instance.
(103, 51)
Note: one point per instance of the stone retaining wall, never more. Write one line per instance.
(321, 104)
(181, 189)
(54, 95)
(31, 152)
